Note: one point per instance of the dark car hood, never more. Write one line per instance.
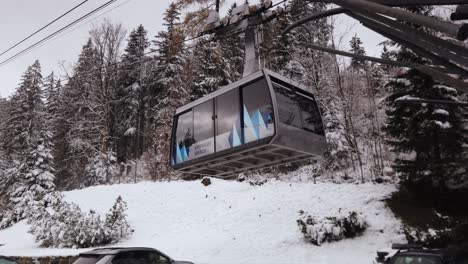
(181, 262)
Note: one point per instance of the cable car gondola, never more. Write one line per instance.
(260, 121)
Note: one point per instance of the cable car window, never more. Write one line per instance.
(228, 133)
(203, 130)
(288, 107)
(311, 119)
(183, 138)
(257, 111)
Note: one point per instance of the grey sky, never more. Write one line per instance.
(19, 18)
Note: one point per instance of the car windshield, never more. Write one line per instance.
(416, 260)
(91, 259)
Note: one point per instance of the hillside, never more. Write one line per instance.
(232, 222)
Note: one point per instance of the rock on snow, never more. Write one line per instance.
(233, 222)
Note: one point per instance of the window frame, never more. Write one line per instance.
(174, 134)
(213, 123)
(241, 119)
(267, 80)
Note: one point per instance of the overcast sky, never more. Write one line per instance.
(19, 18)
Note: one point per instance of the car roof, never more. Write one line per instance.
(116, 250)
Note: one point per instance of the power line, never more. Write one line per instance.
(42, 28)
(57, 32)
(79, 26)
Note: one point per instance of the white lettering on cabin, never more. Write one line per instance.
(202, 148)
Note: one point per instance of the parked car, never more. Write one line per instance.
(131, 255)
(6, 260)
(411, 254)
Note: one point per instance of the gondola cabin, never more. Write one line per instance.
(260, 121)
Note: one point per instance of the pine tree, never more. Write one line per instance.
(356, 48)
(431, 135)
(208, 76)
(24, 108)
(131, 94)
(116, 221)
(428, 138)
(101, 169)
(31, 147)
(306, 65)
(79, 130)
(172, 89)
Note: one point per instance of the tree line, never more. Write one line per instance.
(112, 116)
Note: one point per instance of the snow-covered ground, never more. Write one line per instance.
(232, 222)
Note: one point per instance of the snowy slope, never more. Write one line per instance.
(232, 222)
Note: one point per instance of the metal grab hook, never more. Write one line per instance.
(243, 18)
(251, 56)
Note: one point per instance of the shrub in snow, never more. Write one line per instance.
(65, 225)
(116, 224)
(331, 228)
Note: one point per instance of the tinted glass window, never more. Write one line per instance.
(203, 132)
(183, 138)
(86, 260)
(154, 258)
(135, 257)
(311, 119)
(228, 133)
(415, 260)
(257, 111)
(288, 108)
(298, 110)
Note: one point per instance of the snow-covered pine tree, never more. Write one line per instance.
(116, 224)
(101, 169)
(208, 76)
(337, 157)
(427, 138)
(356, 48)
(308, 66)
(79, 130)
(173, 89)
(33, 173)
(23, 108)
(131, 94)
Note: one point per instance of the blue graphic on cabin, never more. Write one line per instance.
(248, 124)
(234, 138)
(256, 123)
(181, 154)
(179, 157)
(269, 119)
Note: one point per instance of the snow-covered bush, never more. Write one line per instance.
(64, 225)
(331, 228)
(116, 224)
